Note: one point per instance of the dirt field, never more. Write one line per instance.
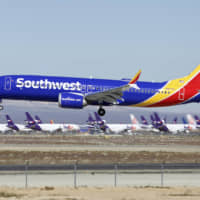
(106, 140)
(42, 149)
(107, 193)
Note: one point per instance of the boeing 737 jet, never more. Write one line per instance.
(78, 92)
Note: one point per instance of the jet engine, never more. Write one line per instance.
(71, 100)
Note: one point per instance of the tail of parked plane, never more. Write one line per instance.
(101, 123)
(90, 120)
(133, 119)
(158, 123)
(144, 121)
(38, 120)
(197, 120)
(11, 124)
(157, 118)
(98, 119)
(191, 120)
(29, 119)
(31, 123)
(175, 120)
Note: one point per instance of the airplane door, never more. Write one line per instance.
(181, 95)
(7, 83)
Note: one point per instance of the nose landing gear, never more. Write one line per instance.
(101, 111)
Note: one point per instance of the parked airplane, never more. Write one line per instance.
(78, 92)
(16, 127)
(11, 124)
(170, 127)
(110, 128)
(158, 123)
(51, 127)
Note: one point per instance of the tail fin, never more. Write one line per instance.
(191, 80)
(157, 118)
(197, 119)
(9, 120)
(31, 123)
(152, 118)
(175, 120)
(144, 121)
(11, 124)
(38, 120)
(29, 118)
(90, 120)
(101, 123)
(133, 119)
(191, 120)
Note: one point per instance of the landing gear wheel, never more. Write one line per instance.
(101, 112)
(1, 108)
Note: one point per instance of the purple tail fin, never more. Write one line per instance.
(38, 120)
(157, 118)
(175, 120)
(29, 119)
(101, 123)
(197, 119)
(158, 123)
(98, 118)
(11, 124)
(31, 123)
(144, 121)
(90, 120)
(152, 118)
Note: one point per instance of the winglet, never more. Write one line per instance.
(136, 77)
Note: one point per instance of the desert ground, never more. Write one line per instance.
(98, 193)
(86, 149)
(61, 149)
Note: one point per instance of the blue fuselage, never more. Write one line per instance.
(47, 88)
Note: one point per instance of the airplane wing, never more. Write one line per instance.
(112, 95)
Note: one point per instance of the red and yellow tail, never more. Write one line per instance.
(175, 91)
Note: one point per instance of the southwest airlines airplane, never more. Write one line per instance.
(78, 92)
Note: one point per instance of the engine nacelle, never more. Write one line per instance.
(71, 100)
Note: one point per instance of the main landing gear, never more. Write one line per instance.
(101, 111)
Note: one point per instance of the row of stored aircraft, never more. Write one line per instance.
(37, 125)
(97, 124)
(157, 124)
(76, 93)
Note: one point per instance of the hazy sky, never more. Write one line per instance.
(104, 39)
